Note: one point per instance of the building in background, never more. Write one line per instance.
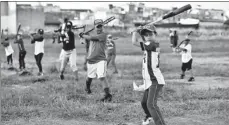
(80, 14)
(51, 8)
(30, 17)
(8, 17)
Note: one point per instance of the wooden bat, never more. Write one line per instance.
(19, 27)
(2, 34)
(81, 27)
(49, 31)
(171, 14)
(105, 22)
(184, 40)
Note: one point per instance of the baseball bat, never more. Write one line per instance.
(184, 40)
(105, 22)
(49, 31)
(2, 34)
(81, 27)
(19, 27)
(171, 14)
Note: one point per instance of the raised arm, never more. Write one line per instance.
(36, 37)
(135, 40)
(91, 38)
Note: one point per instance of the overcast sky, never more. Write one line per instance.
(165, 5)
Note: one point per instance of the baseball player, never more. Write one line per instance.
(185, 50)
(96, 60)
(9, 51)
(38, 41)
(22, 51)
(152, 77)
(111, 52)
(62, 31)
(68, 52)
(173, 39)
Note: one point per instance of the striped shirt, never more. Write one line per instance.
(150, 64)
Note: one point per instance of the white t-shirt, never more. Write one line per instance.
(186, 56)
(9, 50)
(150, 66)
(39, 47)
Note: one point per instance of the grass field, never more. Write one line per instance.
(32, 100)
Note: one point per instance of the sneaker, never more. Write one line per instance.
(107, 97)
(40, 74)
(182, 76)
(146, 121)
(88, 91)
(191, 79)
(62, 77)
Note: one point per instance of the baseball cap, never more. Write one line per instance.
(40, 31)
(69, 24)
(150, 28)
(109, 36)
(98, 22)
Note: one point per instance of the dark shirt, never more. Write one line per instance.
(20, 45)
(69, 44)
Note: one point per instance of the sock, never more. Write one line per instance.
(88, 83)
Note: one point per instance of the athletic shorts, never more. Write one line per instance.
(98, 70)
(187, 66)
(69, 56)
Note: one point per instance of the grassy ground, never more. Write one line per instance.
(32, 100)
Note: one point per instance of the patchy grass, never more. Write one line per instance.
(47, 100)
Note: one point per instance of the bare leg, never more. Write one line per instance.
(113, 63)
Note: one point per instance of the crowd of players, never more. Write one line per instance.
(101, 51)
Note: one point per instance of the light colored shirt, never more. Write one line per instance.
(186, 56)
(39, 47)
(9, 50)
(39, 44)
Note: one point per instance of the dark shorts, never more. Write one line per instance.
(187, 66)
